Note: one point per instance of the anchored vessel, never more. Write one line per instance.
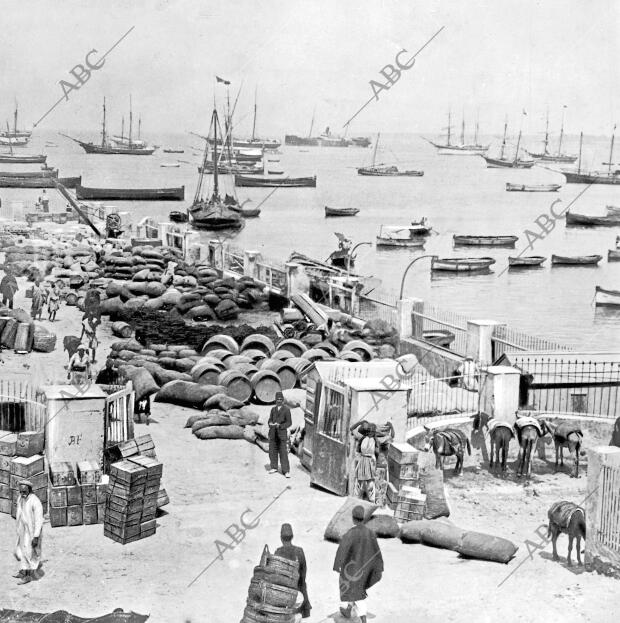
(385, 170)
(546, 156)
(463, 149)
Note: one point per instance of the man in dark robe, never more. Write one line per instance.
(360, 565)
(615, 436)
(279, 423)
(292, 552)
(109, 375)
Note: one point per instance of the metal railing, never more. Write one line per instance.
(506, 339)
(22, 407)
(608, 529)
(449, 328)
(379, 304)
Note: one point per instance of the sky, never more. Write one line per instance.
(493, 60)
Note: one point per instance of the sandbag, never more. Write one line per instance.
(294, 398)
(213, 419)
(125, 355)
(143, 382)
(224, 402)
(163, 376)
(155, 289)
(200, 312)
(171, 297)
(244, 416)
(154, 304)
(249, 434)
(486, 547)
(432, 532)
(129, 344)
(192, 419)
(184, 364)
(9, 332)
(111, 306)
(187, 394)
(384, 526)
(220, 432)
(342, 521)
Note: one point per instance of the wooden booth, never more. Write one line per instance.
(339, 394)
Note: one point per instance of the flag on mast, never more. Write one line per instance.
(222, 80)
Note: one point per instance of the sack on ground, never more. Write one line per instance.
(244, 416)
(342, 521)
(432, 532)
(220, 432)
(384, 526)
(187, 394)
(224, 402)
(486, 547)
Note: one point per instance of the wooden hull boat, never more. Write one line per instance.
(608, 220)
(131, 194)
(462, 264)
(170, 165)
(39, 182)
(307, 141)
(606, 298)
(613, 255)
(245, 212)
(485, 241)
(114, 149)
(30, 174)
(386, 241)
(576, 260)
(591, 178)
(460, 150)
(533, 188)
(546, 157)
(264, 182)
(399, 236)
(227, 168)
(530, 261)
(178, 217)
(340, 211)
(174, 151)
(387, 172)
(24, 159)
(500, 163)
(439, 337)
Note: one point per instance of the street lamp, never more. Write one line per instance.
(402, 283)
(350, 256)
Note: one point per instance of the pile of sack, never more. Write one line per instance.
(32, 336)
(144, 259)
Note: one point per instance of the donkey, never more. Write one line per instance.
(447, 442)
(528, 430)
(500, 434)
(570, 519)
(70, 344)
(567, 435)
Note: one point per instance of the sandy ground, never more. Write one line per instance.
(212, 483)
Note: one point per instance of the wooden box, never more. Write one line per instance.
(100, 513)
(89, 472)
(153, 467)
(58, 497)
(162, 498)
(403, 470)
(30, 443)
(152, 488)
(58, 517)
(62, 474)
(74, 496)
(26, 466)
(410, 505)
(391, 494)
(146, 446)
(128, 473)
(5, 505)
(89, 494)
(39, 481)
(120, 490)
(5, 492)
(403, 482)
(147, 528)
(5, 463)
(102, 492)
(8, 443)
(123, 532)
(5, 477)
(124, 506)
(402, 453)
(75, 515)
(89, 513)
(42, 495)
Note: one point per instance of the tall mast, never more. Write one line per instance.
(130, 120)
(103, 128)
(517, 151)
(611, 151)
(546, 142)
(561, 133)
(476, 131)
(254, 122)
(215, 161)
(463, 130)
(312, 123)
(374, 153)
(228, 126)
(15, 120)
(122, 128)
(449, 125)
(580, 145)
(139, 126)
(501, 153)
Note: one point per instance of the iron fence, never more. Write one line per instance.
(379, 304)
(22, 407)
(506, 339)
(440, 327)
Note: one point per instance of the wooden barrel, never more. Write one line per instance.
(360, 347)
(328, 347)
(266, 593)
(282, 355)
(221, 341)
(254, 354)
(213, 361)
(315, 354)
(296, 347)
(266, 385)
(71, 299)
(261, 342)
(299, 364)
(231, 362)
(122, 329)
(205, 373)
(21, 337)
(252, 615)
(350, 355)
(220, 353)
(249, 369)
(286, 373)
(236, 383)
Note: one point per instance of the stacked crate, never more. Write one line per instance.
(30, 468)
(402, 469)
(410, 504)
(8, 447)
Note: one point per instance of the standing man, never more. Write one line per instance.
(29, 525)
(279, 422)
(360, 565)
(295, 553)
(38, 299)
(45, 201)
(109, 375)
(8, 288)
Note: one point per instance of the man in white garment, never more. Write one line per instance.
(29, 525)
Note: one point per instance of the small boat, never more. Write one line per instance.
(23, 158)
(245, 212)
(174, 151)
(131, 194)
(576, 260)
(613, 210)
(39, 182)
(270, 182)
(384, 170)
(613, 255)
(585, 220)
(439, 337)
(462, 264)
(275, 171)
(340, 211)
(170, 164)
(398, 236)
(606, 298)
(526, 261)
(485, 241)
(533, 188)
(420, 228)
(178, 217)
(30, 174)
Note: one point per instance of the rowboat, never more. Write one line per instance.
(23, 159)
(420, 228)
(461, 264)
(170, 164)
(526, 261)
(131, 194)
(246, 212)
(275, 171)
(398, 236)
(39, 182)
(533, 188)
(266, 182)
(174, 151)
(578, 260)
(486, 241)
(585, 220)
(613, 255)
(340, 211)
(30, 174)
(178, 217)
(613, 210)
(439, 337)
(606, 298)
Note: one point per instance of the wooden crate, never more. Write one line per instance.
(124, 506)
(74, 495)
(8, 443)
(89, 513)
(89, 494)
(38, 481)
(5, 477)
(391, 494)
(128, 493)
(5, 463)
(5, 505)
(100, 513)
(146, 446)
(26, 466)
(403, 470)
(153, 467)
(403, 453)
(127, 473)
(62, 474)
(102, 492)
(58, 516)
(30, 443)
(88, 472)
(123, 532)
(58, 497)
(154, 487)
(5, 492)
(162, 498)
(403, 482)
(75, 515)
(410, 505)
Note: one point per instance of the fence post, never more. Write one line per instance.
(479, 340)
(250, 269)
(296, 279)
(499, 393)
(404, 311)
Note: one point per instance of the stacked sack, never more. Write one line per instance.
(124, 264)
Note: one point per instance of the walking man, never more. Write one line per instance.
(38, 299)
(279, 423)
(8, 288)
(29, 525)
(360, 565)
(294, 553)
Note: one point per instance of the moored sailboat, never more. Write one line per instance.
(505, 163)
(594, 177)
(546, 156)
(463, 149)
(384, 170)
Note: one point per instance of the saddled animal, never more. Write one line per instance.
(568, 518)
(567, 435)
(447, 442)
(528, 430)
(70, 343)
(500, 434)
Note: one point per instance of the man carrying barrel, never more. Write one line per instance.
(279, 423)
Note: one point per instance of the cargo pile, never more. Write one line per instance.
(20, 332)
(21, 459)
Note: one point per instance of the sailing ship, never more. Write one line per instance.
(463, 149)
(545, 156)
(21, 158)
(15, 137)
(115, 145)
(594, 177)
(503, 162)
(213, 213)
(384, 170)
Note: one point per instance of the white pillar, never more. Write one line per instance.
(404, 309)
(499, 393)
(479, 345)
(296, 280)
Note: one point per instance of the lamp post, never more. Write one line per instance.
(350, 256)
(402, 283)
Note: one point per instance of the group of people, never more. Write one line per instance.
(40, 296)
